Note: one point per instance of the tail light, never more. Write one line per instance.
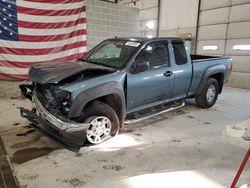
(230, 66)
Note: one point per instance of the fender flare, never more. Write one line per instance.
(96, 92)
(208, 73)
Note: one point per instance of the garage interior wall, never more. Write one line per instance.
(148, 14)
(108, 20)
(178, 17)
(223, 25)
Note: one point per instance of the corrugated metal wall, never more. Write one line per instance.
(178, 17)
(222, 25)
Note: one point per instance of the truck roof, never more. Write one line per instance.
(145, 39)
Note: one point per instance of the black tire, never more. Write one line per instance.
(96, 109)
(202, 99)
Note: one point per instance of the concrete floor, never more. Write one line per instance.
(185, 148)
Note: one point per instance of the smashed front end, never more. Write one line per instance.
(52, 104)
(50, 113)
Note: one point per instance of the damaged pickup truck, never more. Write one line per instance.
(120, 81)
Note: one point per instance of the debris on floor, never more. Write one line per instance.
(16, 124)
(241, 130)
(24, 133)
(75, 182)
(113, 167)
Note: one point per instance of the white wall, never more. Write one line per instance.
(226, 23)
(148, 13)
(108, 20)
(178, 16)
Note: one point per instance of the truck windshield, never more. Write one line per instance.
(113, 53)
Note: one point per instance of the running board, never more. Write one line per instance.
(173, 107)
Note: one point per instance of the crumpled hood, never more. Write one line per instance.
(54, 72)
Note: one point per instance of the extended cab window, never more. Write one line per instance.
(156, 54)
(180, 53)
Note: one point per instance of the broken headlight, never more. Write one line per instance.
(64, 99)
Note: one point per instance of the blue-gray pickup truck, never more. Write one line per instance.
(119, 81)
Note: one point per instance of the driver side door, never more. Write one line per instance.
(154, 84)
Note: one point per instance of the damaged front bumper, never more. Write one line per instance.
(70, 133)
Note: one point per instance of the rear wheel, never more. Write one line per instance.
(209, 94)
(103, 120)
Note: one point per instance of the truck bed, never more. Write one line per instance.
(201, 63)
(201, 58)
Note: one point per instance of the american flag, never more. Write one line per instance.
(34, 31)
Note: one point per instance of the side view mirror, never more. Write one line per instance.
(140, 66)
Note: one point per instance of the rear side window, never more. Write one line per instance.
(180, 53)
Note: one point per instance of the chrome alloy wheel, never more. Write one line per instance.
(99, 130)
(211, 93)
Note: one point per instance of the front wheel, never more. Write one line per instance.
(103, 120)
(209, 94)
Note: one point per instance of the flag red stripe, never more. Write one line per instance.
(32, 11)
(74, 46)
(71, 57)
(16, 64)
(28, 38)
(23, 51)
(28, 64)
(13, 76)
(56, 1)
(38, 25)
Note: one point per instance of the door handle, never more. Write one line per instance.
(168, 73)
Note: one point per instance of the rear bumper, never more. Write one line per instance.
(71, 134)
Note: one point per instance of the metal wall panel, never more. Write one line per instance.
(216, 16)
(240, 80)
(241, 64)
(235, 2)
(226, 27)
(211, 4)
(212, 32)
(239, 30)
(175, 32)
(178, 14)
(219, 43)
(232, 42)
(240, 13)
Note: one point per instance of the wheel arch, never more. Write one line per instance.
(220, 79)
(110, 94)
(216, 72)
(114, 101)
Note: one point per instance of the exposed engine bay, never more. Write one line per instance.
(54, 99)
